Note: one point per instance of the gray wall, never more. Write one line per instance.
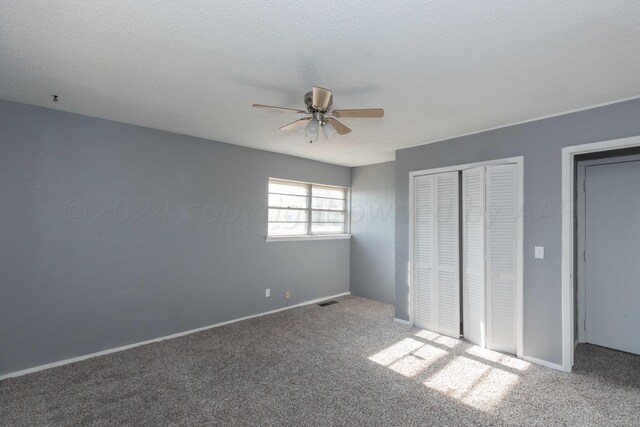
(373, 229)
(540, 142)
(112, 234)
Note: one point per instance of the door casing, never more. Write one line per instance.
(581, 247)
(569, 236)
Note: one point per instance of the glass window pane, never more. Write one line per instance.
(288, 188)
(324, 216)
(334, 193)
(329, 228)
(332, 204)
(282, 201)
(288, 215)
(286, 229)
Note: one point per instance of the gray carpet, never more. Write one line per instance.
(345, 364)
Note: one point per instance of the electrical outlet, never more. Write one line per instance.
(287, 295)
(267, 293)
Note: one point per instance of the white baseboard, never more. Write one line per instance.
(544, 363)
(168, 337)
(402, 321)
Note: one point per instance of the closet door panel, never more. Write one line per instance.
(502, 211)
(447, 257)
(473, 255)
(424, 247)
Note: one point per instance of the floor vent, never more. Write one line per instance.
(324, 304)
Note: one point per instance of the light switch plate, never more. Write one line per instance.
(267, 293)
(539, 252)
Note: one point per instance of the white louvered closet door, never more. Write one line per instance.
(436, 253)
(473, 255)
(447, 253)
(501, 263)
(424, 247)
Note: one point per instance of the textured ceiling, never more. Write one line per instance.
(438, 68)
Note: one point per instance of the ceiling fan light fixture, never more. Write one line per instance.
(312, 129)
(328, 130)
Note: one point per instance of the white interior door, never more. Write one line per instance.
(436, 253)
(501, 256)
(612, 267)
(473, 255)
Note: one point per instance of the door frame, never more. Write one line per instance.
(519, 161)
(569, 238)
(580, 218)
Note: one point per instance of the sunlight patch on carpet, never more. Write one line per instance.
(396, 351)
(412, 364)
(473, 383)
(437, 338)
(503, 359)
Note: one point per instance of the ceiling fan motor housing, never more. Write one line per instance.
(308, 100)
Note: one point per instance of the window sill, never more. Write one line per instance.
(305, 238)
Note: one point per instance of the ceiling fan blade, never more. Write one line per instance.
(342, 129)
(321, 98)
(271, 107)
(295, 124)
(360, 113)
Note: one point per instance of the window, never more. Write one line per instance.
(304, 210)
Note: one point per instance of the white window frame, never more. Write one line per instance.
(312, 236)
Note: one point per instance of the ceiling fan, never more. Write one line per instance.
(318, 102)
